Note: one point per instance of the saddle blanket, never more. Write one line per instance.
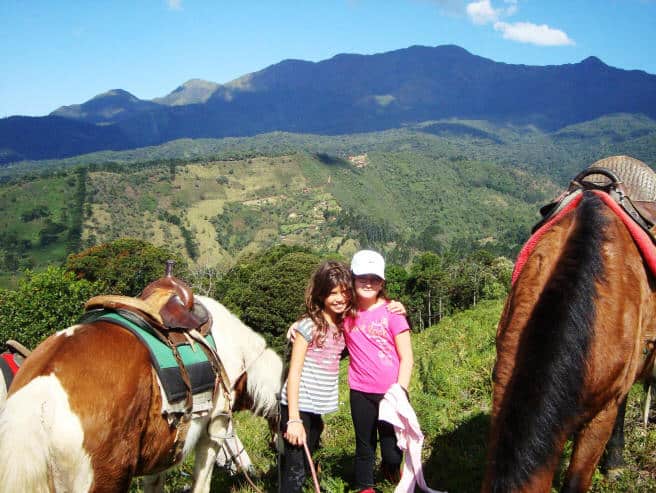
(641, 238)
(194, 359)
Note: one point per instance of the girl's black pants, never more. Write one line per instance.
(294, 463)
(368, 430)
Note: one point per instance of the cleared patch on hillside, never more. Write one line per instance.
(227, 208)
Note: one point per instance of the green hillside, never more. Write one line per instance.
(436, 186)
(40, 222)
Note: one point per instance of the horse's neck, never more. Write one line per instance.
(237, 344)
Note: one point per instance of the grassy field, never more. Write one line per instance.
(35, 213)
(450, 392)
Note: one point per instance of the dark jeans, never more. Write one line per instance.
(364, 411)
(294, 464)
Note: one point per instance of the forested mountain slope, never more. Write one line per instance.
(436, 186)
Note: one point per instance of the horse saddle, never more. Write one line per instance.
(630, 182)
(166, 309)
(166, 304)
(11, 360)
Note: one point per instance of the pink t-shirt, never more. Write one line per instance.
(373, 360)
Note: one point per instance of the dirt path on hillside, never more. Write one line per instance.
(198, 215)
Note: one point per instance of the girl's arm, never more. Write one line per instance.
(295, 431)
(404, 348)
(397, 307)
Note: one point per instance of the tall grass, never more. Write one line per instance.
(450, 392)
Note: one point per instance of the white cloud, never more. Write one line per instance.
(174, 4)
(527, 32)
(511, 9)
(482, 12)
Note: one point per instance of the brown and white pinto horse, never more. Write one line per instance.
(570, 345)
(232, 456)
(84, 411)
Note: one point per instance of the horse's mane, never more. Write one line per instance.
(551, 357)
(264, 382)
(248, 352)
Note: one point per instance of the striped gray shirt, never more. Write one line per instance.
(318, 391)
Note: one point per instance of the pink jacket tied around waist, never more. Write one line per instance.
(396, 410)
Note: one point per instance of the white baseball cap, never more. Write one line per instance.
(368, 262)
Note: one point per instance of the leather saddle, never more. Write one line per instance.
(167, 305)
(167, 309)
(628, 181)
(17, 348)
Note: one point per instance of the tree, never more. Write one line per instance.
(267, 290)
(43, 303)
(479, 275)
(125, 266)
(396, 279)
(428, 287)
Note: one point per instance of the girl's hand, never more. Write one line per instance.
(291, 332)
(396, 307)
(295, 434)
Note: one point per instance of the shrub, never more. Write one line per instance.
(125, 266)
(43, 303)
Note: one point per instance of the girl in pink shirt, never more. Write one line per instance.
(380, 353)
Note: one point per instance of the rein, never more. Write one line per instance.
(315, 479)
(235, 457)
(224, 380)
(314, 472)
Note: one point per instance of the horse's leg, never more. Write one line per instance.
(588, 447)
(154, 483)
(613, 460)
(206, 450)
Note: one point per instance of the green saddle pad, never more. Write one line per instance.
(201, 374)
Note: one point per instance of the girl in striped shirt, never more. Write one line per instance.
(311, 387)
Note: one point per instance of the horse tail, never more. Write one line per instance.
(550, 366)
(41, 441)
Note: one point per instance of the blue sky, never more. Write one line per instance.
(60, 53)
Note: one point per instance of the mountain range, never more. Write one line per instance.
(345, 94)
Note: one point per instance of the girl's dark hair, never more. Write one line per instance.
(328, 276)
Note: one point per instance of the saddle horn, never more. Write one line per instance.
(173, 299)
(614, 180)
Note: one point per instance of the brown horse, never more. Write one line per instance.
(84, 412)
(572, 340)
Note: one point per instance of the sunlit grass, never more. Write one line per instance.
(450, 392)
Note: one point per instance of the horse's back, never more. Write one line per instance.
(625, 311)
(89, 360)
(82, 401)
(622, 303)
